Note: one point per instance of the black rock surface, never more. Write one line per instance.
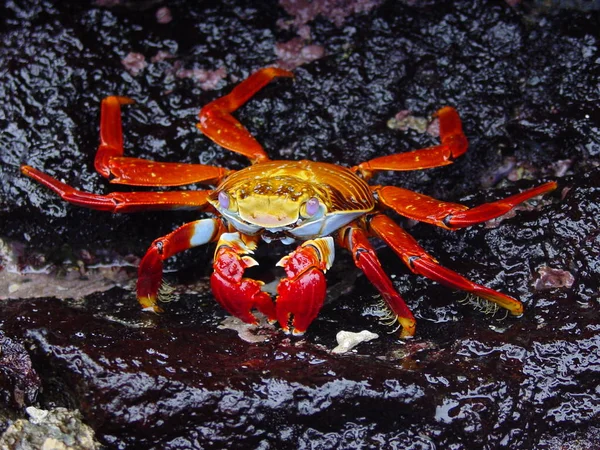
(526, 83)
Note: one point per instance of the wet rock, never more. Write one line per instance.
(19, 382)
(59, 429)
(296, 52)
(134, 63)
(163, 15)
(525, 83)
(305, 11)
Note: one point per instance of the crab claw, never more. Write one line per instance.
(302, 292)
(238, 295)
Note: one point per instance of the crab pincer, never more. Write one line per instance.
(235, 293)
(302, 292)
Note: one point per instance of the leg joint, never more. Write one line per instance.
(411, 259)
(447, 221)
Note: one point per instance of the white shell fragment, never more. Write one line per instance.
(246, 332)
(347, 340)
(36, 415)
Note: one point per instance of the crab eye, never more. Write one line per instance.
(312, 206)
(224, 200)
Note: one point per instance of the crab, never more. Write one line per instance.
(313, 205)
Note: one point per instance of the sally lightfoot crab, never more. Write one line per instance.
(310, 204)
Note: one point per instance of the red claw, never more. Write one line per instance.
(236, 294)
(301, 294)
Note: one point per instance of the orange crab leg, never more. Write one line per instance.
(150, 286)
(419, 262)
(453, 144)
(356, 241)
(136, 171)
(141, 172)
(121, 202)
(111, 132)
(218, 124)
(451, 215)
(236, 294)
(302, 292)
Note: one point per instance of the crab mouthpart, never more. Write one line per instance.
(268, 211)
(267, 220)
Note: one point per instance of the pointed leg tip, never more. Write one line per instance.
(518, 311)
(149, 303)
(120, 99)
(409, 327)
(34, 173)
(151, 308)
(445, 110)
(279, 72)
(550, 186)
(407, 333)
(125, 100)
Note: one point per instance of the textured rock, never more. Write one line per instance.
(19, 383)
(59, 429)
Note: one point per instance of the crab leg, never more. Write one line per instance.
(302, 293)
(150, 287)
(111, 132)
(136, 171)
(356, 241)
(419, 262)
(236, 294)
(451, 215)
(141, 172)
(217, 123)
(121, 202)
(453, 144)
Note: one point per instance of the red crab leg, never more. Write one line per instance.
(136, 171)
(236, 294)
(218, 124)
(453, 144)
(111, 132)
(356, 241)
(150, 287)
(141, 172)
(451, 215)
(302, 292)
(121, 202)
(419, 262)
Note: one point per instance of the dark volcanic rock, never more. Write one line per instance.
(19, 383)
(526, 84)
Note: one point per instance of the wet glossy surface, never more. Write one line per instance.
(525, 83)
